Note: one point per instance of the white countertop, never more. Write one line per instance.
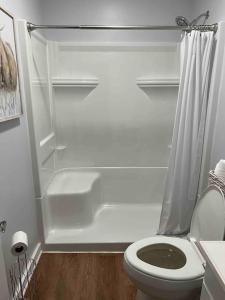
(214, 254)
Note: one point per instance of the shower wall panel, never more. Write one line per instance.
(40, 110)
(104, 120)
(117, 123)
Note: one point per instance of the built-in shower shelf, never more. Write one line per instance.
(145, 82)
(75, 82)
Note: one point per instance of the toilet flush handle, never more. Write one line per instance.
(3, 225)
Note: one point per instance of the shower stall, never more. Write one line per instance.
(100, 118)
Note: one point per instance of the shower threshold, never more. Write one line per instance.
(113, 229)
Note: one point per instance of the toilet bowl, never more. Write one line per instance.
(172, 268)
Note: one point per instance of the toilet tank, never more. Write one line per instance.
(208, 221)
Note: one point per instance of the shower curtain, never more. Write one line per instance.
(184, 168)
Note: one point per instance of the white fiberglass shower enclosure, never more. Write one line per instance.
(101, 118)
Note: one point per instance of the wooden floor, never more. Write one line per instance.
(82, 276)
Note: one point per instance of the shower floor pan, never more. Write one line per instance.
(114, 228)
(78, 219)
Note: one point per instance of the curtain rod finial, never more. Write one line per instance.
(30, 26)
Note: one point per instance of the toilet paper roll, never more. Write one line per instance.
(19, 243)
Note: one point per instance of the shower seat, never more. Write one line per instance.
(73, 198)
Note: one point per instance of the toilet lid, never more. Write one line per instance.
(191, 269)
(208, 220)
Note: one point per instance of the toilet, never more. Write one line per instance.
(172, 268)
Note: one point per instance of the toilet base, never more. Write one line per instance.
(141, 296)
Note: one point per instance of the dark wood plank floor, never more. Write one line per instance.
(82, 276)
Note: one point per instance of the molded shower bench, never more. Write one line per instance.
(72, 199)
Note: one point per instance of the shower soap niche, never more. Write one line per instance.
(145, 82)
(158, 88)
(90, 82)
(75, 89)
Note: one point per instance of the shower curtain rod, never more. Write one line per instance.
(31, 27)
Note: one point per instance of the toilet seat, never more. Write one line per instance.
(192, 269)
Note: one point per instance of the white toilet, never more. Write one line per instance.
(172, 268)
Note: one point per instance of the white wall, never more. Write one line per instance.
(136, 126)
(17, 203)
(217, 14)
(115, 12)
(24, 9)
(117, 127)
(216, 8)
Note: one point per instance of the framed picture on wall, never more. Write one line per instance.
(10, 97)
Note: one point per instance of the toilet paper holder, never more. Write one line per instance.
(3, 225)
(23, 282)
(21, 273)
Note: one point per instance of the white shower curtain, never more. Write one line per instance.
(188, 136)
